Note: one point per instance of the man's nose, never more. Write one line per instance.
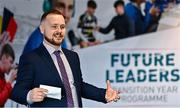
(59, 29)
(58, 33)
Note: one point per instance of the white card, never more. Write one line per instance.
(53, 92)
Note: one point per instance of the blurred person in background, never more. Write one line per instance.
(7, 57)
(87, 23)
(141, 24)
(67, 7)
(152, 27)
(120, 23)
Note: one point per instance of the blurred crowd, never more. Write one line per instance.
(130, 20)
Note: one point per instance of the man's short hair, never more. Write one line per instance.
(92, 4)
(52, 11)
(7, 50)
(118, 2)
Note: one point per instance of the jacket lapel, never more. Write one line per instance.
(44, 54)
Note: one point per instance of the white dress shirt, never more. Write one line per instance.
(51, 50)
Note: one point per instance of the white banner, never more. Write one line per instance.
(146, 69)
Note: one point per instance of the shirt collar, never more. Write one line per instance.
(51, 49)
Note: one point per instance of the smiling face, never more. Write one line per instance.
(53, 29)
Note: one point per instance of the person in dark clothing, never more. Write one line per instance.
(120, 23)
(39, 68)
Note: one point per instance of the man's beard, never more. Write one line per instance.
(52, 41)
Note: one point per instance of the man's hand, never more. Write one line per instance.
(111, 95)
(37, 94)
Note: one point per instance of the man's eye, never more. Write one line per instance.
(54, 27)
(62, 26)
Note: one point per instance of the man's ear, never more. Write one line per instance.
(42, 28)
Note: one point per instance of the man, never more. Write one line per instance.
(56, 67)
(120, 23)
(140, 23)
(6, 60)
(87, 23)
(36, 38)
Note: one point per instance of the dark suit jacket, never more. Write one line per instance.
(37, 68)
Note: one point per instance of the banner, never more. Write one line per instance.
(146, 70)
